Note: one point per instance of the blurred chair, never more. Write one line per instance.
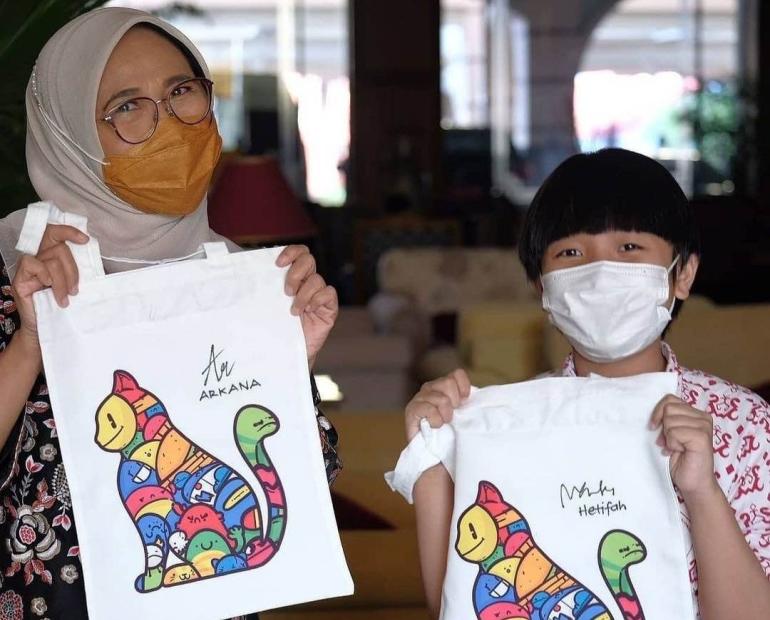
(427, 289)
(374, 237)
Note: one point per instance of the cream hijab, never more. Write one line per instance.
(64, 155)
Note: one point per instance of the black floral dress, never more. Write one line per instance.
(40, 572)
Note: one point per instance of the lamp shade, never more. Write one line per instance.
(252, 203)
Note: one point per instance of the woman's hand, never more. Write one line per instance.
(53, 267)
(314, 301)
(436, 401)
(687, 435)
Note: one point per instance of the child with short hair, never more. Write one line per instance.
(600, 225)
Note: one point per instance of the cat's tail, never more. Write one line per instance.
(253, 424)
(618, 550)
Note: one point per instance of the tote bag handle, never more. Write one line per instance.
(87, 256)
(39, 215)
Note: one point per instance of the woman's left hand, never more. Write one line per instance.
(315, 302)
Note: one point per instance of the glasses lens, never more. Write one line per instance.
(191, 101)
(134, 120)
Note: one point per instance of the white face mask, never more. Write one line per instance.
(609, 310)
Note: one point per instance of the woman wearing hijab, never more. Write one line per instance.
(120, 129)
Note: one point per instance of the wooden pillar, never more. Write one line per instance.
(395, 94)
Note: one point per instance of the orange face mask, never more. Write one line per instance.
(170, 173)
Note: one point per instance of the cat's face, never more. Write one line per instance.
(115, 424)
(476, 534)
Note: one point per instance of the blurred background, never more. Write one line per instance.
(403, 141)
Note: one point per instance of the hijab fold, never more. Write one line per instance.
(64, 156)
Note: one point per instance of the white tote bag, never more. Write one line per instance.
(186, 423)
(564, 508)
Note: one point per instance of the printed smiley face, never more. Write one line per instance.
(149, 500)
(506, 569)
(146, 453)
(180, 573)
(115, 424)
(204, 548)
(476, 535)
(504, 611)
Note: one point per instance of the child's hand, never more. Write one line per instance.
(436, 401)
(53, 266)
(314, 301)
(687, 435)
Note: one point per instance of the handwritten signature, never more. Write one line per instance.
(220, 369)
(569, 493)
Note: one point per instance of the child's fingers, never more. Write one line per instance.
(660, 409)
(679, 420)
(442, 403)
(435, 420)
(463, 382)
(447, 385)
(682, 438)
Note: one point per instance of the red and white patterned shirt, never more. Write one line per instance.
(741, 453)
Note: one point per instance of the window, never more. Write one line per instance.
(661, 78)
(464, 98)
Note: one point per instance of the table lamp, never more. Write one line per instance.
(253, 204)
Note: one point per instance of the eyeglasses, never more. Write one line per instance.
(135, 120)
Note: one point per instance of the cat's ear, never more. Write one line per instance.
(122, 382)
(488, 493)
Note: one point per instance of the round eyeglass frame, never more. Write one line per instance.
(208, 84)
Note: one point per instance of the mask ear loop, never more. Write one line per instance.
(668, 271)
(59, 133)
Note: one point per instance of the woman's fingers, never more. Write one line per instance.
(59, 233)
(59, 284)
(290, 253)
(311, 286)
(301, 269)
(62, 254)
(32, 275)
(325, 298)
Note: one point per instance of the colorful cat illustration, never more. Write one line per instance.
(517, 580)
(196, 516)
